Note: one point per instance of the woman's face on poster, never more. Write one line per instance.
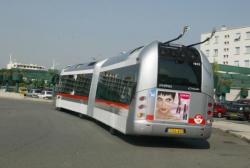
(164, 103)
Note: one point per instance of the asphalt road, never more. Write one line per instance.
(34, 135)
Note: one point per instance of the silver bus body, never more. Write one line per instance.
(135, 111)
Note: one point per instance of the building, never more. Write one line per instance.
(229, 46)
(15, 65)
(27, 75)
(230, 49)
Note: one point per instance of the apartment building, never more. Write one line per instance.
(229, 46)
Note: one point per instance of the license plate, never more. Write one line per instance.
(233, 115)
(176, 130)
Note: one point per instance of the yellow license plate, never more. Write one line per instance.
(176, 131)
(233, 115)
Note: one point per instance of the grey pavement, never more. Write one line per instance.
(237, 129)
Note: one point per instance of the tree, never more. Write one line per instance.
(55, 79)
(222, 85)
(243, 92)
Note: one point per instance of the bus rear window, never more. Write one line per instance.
(179, 69)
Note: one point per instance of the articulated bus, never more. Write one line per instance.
(161, 89)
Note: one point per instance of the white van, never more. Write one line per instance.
(46, 95)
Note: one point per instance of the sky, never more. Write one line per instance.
(76, 31)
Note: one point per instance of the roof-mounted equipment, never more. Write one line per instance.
(185, 29)
(207, 39)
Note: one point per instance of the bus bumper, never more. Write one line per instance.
(161, 129)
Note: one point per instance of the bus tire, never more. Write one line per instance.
(58, 109)
(219, 115)
(81, 115)
(112, 131)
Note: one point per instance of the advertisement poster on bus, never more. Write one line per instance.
(172, 106)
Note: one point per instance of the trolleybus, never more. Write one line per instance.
(160, 89)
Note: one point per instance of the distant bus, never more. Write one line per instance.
(160, 89)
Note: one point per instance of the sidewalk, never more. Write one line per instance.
(11, 95)
(240, 130)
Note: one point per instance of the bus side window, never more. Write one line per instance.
(117, 84)
(82, 84)
(66, 84)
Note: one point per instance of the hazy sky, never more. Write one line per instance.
(74, 31)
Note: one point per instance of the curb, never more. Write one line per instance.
(233, 129)
(237, 135)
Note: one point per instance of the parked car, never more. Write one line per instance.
(23, 90)
(238, 111)
(243, 101)
(219, 110)
(3, 88)
(46, 94)
(33, 93)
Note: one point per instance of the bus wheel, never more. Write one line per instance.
(112, 131)
(58, 108)
(219, 115)
(81, 115)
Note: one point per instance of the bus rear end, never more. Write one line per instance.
(175, 105)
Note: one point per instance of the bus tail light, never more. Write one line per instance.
(150, 117)
(142, 98)
(210, 105)
(210, 113)
(139, 114)
(142, 106)
(145, 104)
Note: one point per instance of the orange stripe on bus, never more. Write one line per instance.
(73, 96)
(101, 101)
(111, 103)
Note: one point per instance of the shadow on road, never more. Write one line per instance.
(159, 142)
(165, 142)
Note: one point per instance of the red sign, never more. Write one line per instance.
(198, 119)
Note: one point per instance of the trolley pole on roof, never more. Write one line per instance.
(185, 29)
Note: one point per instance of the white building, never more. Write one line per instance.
(12, 64)
(229, 46)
